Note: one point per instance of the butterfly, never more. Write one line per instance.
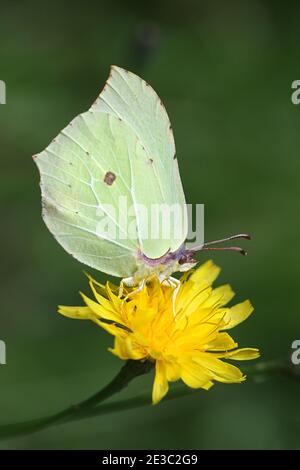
(121, 149)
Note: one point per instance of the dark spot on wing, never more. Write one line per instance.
(150, 160)
(174, 158)
(109, 178)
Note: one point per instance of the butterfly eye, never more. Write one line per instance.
(187, 257)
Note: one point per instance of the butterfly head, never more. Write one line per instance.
(180, 260)
(163, 267)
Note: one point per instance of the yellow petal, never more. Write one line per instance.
(120, 349)
(219, 296)
(237, 314)
(100, 311)
(160, 385)
(115, 300)
(243, 354)
(208, 385)
(80, 313)
(194, 375)
(221, 371)
(173, 371)
(114, 329)
(141, 318)
(190, 300)
(223, 342)
(207, 273)
(197, 336)
(105, 302)
(197, 289)
(136, 350)
(98, 286)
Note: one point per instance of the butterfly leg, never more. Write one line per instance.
(135, 291)
(121, 289)
(175, 283)
(126, 281)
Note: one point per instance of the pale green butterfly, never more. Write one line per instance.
(123, 146)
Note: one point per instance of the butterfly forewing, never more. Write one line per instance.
(104, 170)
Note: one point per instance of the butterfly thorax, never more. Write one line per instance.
(163, 267)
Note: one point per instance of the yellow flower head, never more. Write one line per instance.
(181, 328)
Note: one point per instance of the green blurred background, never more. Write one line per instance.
(224, 71)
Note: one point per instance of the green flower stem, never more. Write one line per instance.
(129, 371)
(261, 370)
(135, 402)
(92, 406)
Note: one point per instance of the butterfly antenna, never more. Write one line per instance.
(227, 248)
(239, 236)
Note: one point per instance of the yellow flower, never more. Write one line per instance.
(185, 335)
